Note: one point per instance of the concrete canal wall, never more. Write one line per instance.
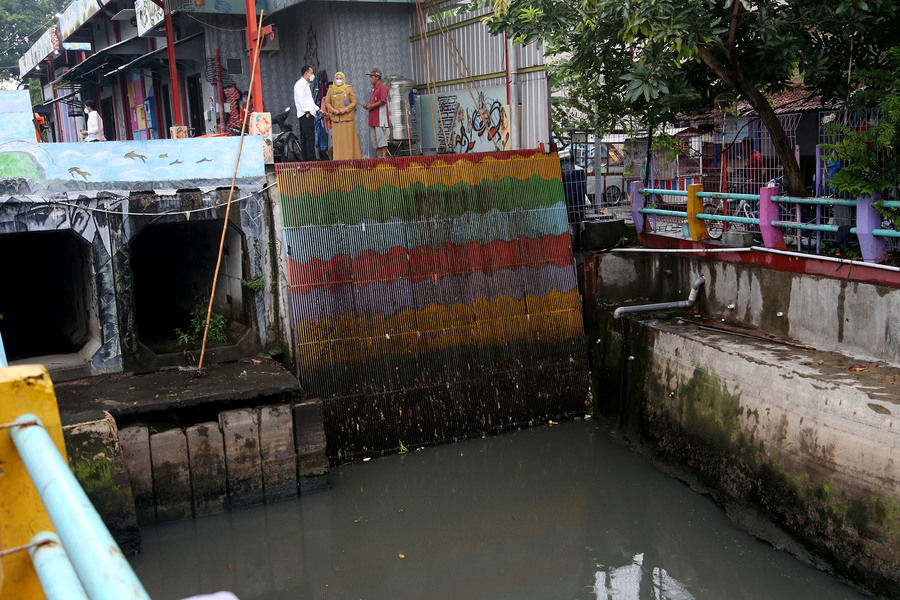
(776, 391)
(141, 474)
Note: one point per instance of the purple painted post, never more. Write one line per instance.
(768, 212)
(637, 203)
(868, 219)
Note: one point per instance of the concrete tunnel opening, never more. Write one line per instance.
(46, 297)
(172, 266)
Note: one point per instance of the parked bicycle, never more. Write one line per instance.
(285, 144)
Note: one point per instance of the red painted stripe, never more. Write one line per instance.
(780, 262)
(424, 262)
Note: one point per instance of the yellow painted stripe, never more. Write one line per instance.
(356, 340)
(347, 178)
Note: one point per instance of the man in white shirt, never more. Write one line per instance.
(307, 110)
(94, 131)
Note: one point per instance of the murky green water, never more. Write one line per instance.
(557, 512)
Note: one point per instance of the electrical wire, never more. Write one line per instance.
(126, 213)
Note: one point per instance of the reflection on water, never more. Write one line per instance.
(555, 512)
(624, 583)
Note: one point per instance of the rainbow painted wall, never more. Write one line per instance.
(440, 286)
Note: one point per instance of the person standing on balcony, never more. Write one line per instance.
(93, 122)
(341, 105)
(306, 112)
(378, 114)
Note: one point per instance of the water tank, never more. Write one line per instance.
(402, 115)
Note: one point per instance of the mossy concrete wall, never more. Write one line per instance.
(807, 437)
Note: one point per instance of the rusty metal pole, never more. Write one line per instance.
(252, 34)
(173, 71)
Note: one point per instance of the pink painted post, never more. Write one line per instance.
(867, 220)
(637, 203)
(768, 212)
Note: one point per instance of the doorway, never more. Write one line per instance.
(195, 105)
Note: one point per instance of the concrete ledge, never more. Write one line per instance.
(279, 459)
(206, 450)
(135, 444)
(171, 475)
(240, 429)
(309, 439)
(96, 459)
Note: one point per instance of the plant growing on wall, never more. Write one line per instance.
(193, 336)
(869, 155)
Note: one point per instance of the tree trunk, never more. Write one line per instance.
(792, 179)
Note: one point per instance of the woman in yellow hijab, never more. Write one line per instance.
(341, 104)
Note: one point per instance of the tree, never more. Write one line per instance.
(870, 155)
(656, 57)
(21, 23)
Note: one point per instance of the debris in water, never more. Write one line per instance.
(859, 368)
(779, 314)
(357, 520)
(401, 555)
(403, 449)
(367, 459)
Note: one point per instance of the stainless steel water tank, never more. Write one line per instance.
(403, 122)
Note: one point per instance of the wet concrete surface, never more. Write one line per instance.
(130, 397)
(552, 512)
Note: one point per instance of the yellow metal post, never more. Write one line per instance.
(24, 389)
(699, 233)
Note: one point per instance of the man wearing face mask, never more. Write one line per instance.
(306, 113)
(94, 131)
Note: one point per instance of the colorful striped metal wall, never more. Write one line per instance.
(414, 279)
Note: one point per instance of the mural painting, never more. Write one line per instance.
(462, 125)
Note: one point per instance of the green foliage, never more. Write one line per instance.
(870, 155)
(21, 24)
(193, 337)
(253, 285)
(656, 59)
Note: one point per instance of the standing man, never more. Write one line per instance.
(306, 113)
(378, 114)
(93, 122)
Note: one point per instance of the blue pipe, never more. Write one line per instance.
(660, 211)
(816, 201)
(54, 570)
(729, 196)
(98, 561)
(663, 192)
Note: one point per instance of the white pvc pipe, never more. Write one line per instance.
(856, 263)
(679, 251)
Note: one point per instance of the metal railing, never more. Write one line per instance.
(82, 560)
(762, 214)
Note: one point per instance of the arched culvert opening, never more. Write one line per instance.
(172, 266)
(46, 300)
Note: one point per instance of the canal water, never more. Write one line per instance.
(551, 513)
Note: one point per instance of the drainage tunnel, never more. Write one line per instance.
(172, 265)
(45, 294)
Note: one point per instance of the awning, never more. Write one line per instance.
(64, 98)
(90, 69)
(149, 59)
